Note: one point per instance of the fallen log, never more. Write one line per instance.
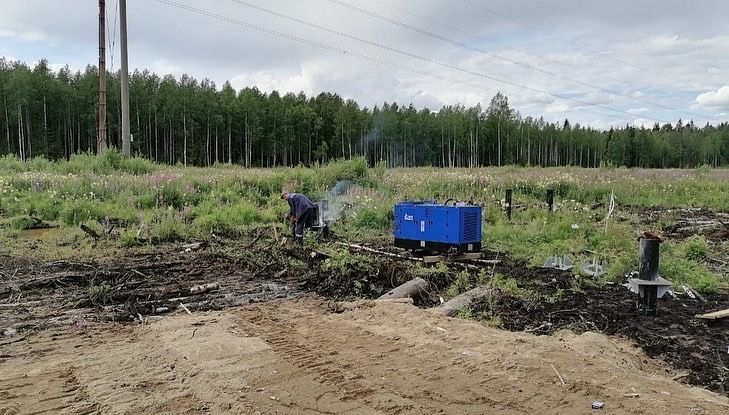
(463, 301)
(411, 289)
(92, 233)
(378, 252)
(193, 246)
(693, 293)
(200, 289)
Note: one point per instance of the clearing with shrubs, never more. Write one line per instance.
(379, 207)
(129, 286)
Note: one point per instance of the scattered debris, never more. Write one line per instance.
(199, 289)
(563, 262)
(379, 252)
(194, 246)
(680, 376)
(598, 405)
(187, 310)
(593, 268)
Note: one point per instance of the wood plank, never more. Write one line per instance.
(432, 259)
(468, 255)
(716, 315)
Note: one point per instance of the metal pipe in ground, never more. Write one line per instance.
(550, 199)
(649, 252)
(508, 203)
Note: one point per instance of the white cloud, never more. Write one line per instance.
(557, 108)
(638, 57)
(714, 99)
(643, 122)
(540, 98)
(164, 66)
(267, 82)
(26, 35)
(640, 110)
(596, 98)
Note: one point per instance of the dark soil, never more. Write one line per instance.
(687, 222)
(556, 300)
(35, 296)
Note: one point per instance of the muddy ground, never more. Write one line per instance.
(687, 222)
(557, 300)
(296, 357)
(68, 306)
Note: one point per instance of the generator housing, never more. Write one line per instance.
(433, 226)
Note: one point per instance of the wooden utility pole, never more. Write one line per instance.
(101, 133)
(126, 136)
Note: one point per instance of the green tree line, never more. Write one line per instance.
(193, 122)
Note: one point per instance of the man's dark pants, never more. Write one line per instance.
(301, 222)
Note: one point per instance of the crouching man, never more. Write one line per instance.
(301, 213)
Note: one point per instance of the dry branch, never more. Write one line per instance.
(200, 289)
(376, 251)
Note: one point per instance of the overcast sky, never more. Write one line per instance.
(601, 63)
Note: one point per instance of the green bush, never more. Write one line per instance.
(170, 229)
(696, 248)
(226, 218)
(79, 211)
(682, 271)
(460, 284)
(21, 223)
(346, 264)
(373, 218)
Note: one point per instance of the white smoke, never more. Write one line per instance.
(340, 199)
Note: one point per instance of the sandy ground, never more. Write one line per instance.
(299, 357)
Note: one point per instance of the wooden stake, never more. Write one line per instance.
(185, 308)
(558, 375)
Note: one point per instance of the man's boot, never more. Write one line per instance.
(299, 239)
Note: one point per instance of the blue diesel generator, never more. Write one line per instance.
(434, 226)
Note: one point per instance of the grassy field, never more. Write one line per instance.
(150, 204)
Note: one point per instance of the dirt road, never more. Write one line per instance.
(300, 357)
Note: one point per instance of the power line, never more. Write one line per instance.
(577, 44)
(546, 33)
(491, 54)
(422, 58)
(111, 38)
(501, 45)
(349, 53)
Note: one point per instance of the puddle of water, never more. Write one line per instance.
(40, 233)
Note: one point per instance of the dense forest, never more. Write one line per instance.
(53, 114)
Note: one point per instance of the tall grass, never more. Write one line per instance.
(165, 203)
(109, 162)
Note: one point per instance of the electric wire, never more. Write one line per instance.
(428, 60)
(111, 37)
(462, 45)
(501, 45)
(552, 35)
(346, 52)
(570, 42)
